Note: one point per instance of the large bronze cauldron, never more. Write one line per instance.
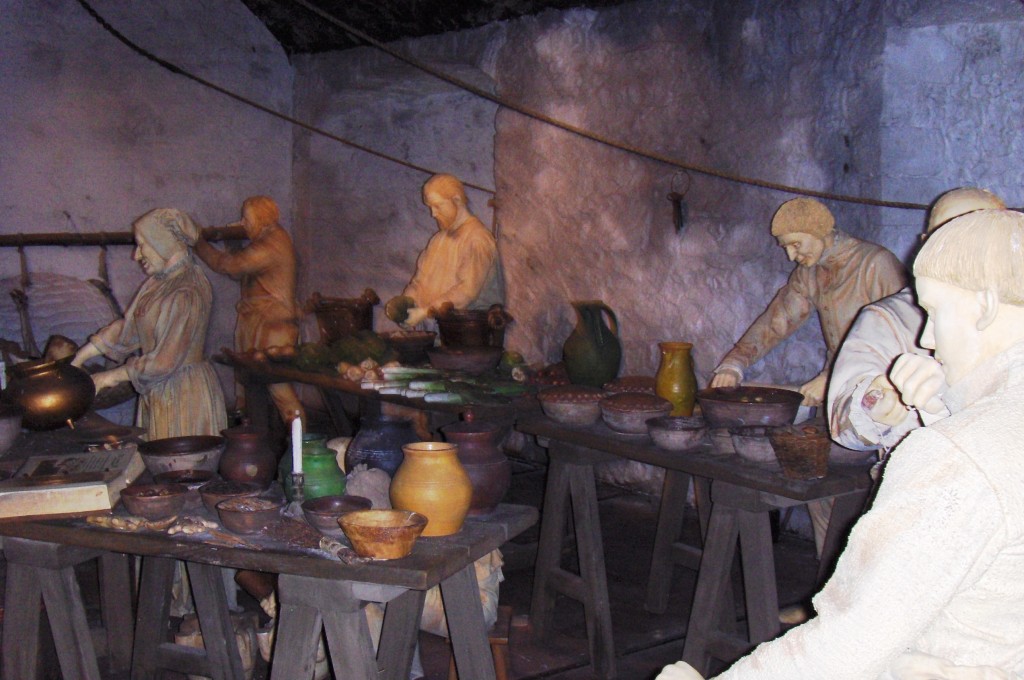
(50, 393)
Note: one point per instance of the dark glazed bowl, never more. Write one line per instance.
(192, 479)
(748, 406)
(200, 452)
(249, 515)
(473, 360)
(410, 346)
(219, 490)
(154, 501)
(323, 513)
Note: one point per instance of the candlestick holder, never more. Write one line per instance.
(294, 508)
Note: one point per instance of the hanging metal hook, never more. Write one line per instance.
(680, 210)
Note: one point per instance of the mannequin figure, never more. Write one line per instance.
(460, 264)
(166, 322)
(836, 275)
(929, 584)
(864, 409)
(267, 312)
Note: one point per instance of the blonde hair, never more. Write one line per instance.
(957, 202)
(803, 216)
(982, 250)
(264, 210)
(448, 186)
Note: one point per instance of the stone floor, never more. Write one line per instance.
(644, 642)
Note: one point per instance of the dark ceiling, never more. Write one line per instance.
(300, 30)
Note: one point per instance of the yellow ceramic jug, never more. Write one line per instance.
(675, 379)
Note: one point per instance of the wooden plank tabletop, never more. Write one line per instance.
(432, 558)
(701, 461)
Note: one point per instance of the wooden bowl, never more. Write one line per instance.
(628, 412)
(410, 346)
(324, 512)
(572, 404)
(383, 534)
(748, 406)
(677, 433)
(219, 490)
(154, 501)
(248, 514)
(472, 360)
(182, 453)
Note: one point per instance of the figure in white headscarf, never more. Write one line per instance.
(166, 323)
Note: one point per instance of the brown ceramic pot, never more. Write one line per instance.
(247, 456)
(488, 468)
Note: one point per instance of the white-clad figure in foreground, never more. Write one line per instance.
(930, 585)
(864, 410)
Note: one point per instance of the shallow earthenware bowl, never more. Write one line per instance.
(751, 443)
(473, 360)
(201, 452)
(248, 514)
(572, 404)
(219, 490)
(191, 480)
(383, 534)
(324, 512)
(410, 346)
(154, 501)
(677, 433)
(748, 406)
(628, 412)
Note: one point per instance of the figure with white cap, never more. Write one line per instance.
(836, 275)
(864, 410)
(166, 322)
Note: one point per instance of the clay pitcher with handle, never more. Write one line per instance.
(592, 353)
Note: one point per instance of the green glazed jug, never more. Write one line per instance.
(592, 353)
(320, 465)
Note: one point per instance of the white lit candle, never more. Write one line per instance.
(297, 443)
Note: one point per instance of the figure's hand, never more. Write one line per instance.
(84, 353)
(680, 670)
(882, 402)
(105, 379)
(397, 308)
(725, 378)
(417, 315)
(920, 381)
(814, 391)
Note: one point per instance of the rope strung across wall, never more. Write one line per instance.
(500, 101)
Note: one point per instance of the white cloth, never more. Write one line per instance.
(460, 266)
(882, 331)
(934, 567)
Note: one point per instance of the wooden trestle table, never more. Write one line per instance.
(314, 592)
(734, 497)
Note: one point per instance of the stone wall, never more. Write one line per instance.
(94, 134)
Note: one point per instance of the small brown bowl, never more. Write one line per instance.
(324, 512)
(248, 514)
(472, 360)
(628, 412)
(383, 534)
(571, 404)
(219, 490)
(154, 501)
(410, 346)
(677, 433)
